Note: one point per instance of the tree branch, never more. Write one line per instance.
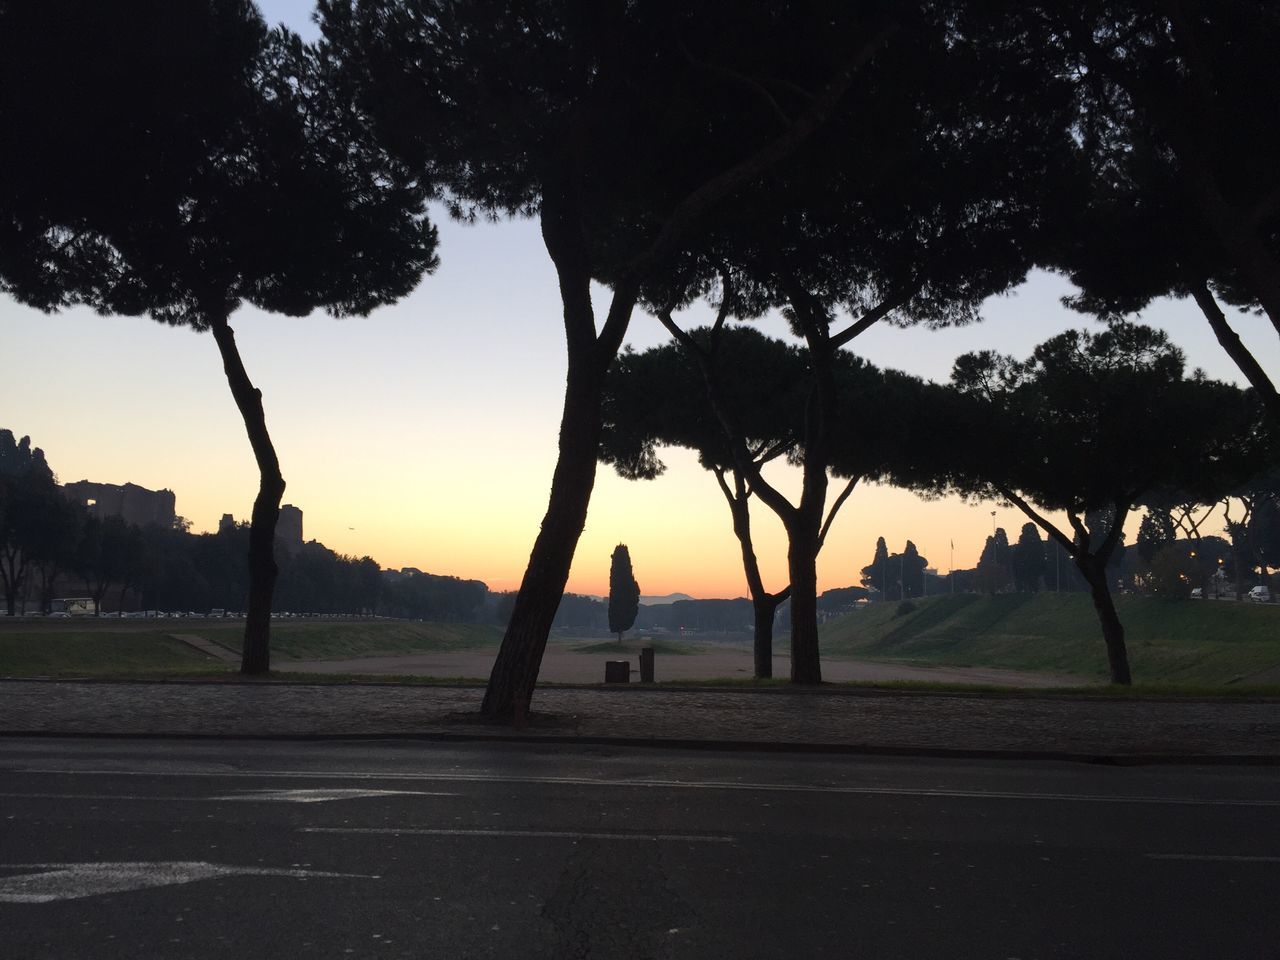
(867, 320)
(835, 508)
(1063, 540)
(1235, 348)
(737, 444)
(1117, 529)
(737, 79)
(697, 203)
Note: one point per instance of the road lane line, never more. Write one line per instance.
(266, 796)
(1211, 857)
(551, 834)
(922, 792)
(74, 881)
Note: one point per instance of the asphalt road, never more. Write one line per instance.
(150, 849)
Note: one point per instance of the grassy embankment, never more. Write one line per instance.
(1195, 646)
(138, 648)
(1197, 643)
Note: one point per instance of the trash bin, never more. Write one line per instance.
(617, 671)
(646, 664)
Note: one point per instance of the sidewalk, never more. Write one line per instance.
(855, 721)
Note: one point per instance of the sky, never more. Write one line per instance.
(425, 434)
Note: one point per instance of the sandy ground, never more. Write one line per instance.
(563, 664)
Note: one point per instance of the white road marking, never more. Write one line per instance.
(925, 792)
(73, 881)
(1224, 858)
(307, 795)
(292, 796)
(552, 834)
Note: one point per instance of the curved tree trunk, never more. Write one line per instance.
(256, 656)
(515, 671)
(1112, 629)
(764, 605)
(1245, 361)
(804, 526)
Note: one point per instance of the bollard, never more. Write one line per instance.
(617, 671)
(646, 664)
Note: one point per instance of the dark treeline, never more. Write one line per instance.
(52, 547)
(732, 616)
(589, 615)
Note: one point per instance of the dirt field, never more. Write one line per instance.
(562, 664)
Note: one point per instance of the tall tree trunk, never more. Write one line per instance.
(802, 564)
(12, 572)
(515, 671)
(256, 656)
(1095, 573)
(764, 609)
(804, 526)
(1258, 268)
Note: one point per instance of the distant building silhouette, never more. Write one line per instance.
(137, 505)
(289, 528)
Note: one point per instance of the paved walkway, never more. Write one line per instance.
(210, 647)
(562, 663)
(1026, 725)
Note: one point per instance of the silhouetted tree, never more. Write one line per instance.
(1154, 533)
(27, 495)
(620, 126)
(1172, 572)
(910, 569)
(1098, 420)
(994, 573)
(876, 574)
(657, 398)
(110, 551)
(1178, 159)
(1264, 534)
(242, 173)
(57, 522)
(1246, 498)
(624, 592)
(919, 200)
(1027, 560)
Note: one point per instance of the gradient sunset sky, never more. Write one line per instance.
(425, 434)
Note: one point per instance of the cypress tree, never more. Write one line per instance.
(875, 575)
(1028, 559)
(624, 592)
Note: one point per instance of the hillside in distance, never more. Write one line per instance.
(1194, 642)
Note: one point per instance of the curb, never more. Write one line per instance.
(728, 746)
(640, 690)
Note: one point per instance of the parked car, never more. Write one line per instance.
(1197, 593)
(1260, 594)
